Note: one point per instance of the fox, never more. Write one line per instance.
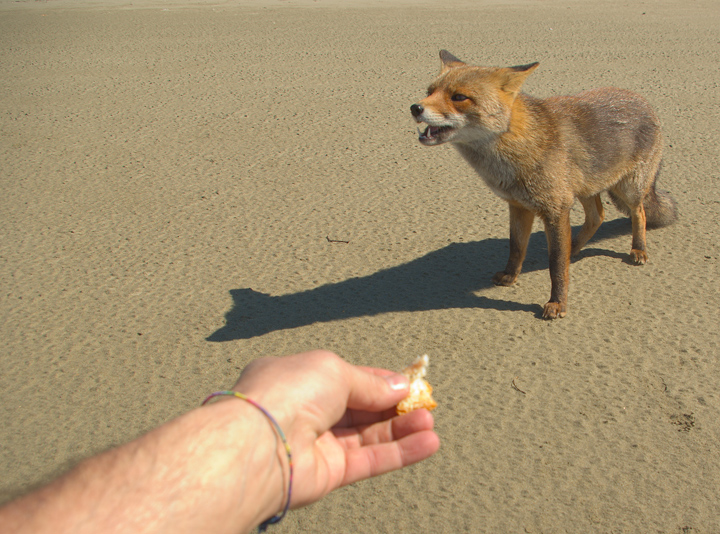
(541, 154)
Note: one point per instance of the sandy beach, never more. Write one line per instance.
(188, 186)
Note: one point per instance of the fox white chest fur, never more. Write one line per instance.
(498, 174)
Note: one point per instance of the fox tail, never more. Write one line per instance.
(660, 207)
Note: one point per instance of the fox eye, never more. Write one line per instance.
(458, 98)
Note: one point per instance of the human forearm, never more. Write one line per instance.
(222, 469)
(214, 468)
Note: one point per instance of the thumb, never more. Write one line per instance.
(375, 390)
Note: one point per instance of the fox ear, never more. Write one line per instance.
(513, 77)
(449, 61)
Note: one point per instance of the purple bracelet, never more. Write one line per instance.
(275, 519)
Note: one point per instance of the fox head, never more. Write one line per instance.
(466, 103)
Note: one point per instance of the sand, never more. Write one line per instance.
(189, 186)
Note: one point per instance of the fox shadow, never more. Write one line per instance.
(443, 279)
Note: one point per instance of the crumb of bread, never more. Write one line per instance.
(420, 391)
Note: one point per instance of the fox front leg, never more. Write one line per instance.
(558, 233)
(521, 221)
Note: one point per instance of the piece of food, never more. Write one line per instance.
(420, 391)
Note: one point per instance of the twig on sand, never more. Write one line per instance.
(517, 388)
(336, 240)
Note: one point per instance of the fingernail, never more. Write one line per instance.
(397, 382)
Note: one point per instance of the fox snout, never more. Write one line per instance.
(440, 128)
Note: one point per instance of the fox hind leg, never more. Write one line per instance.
(638, 253)
(594, 215)
(629, 195)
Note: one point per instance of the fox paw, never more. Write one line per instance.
(554, 310)
(504, 279)
(638, 257)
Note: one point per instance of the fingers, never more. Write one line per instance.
(374, 390)
(385, 431)
(357, 418)
(382, 457)
(387, 446)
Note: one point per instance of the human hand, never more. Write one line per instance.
(211, 469)
(339, 419)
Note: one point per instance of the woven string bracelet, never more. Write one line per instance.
(275, 519)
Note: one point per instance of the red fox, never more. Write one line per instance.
(539, 155)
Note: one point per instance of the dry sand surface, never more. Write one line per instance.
(189, 186)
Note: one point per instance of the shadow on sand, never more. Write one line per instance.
(445, 278)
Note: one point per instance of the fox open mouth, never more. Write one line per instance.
(434, 135)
